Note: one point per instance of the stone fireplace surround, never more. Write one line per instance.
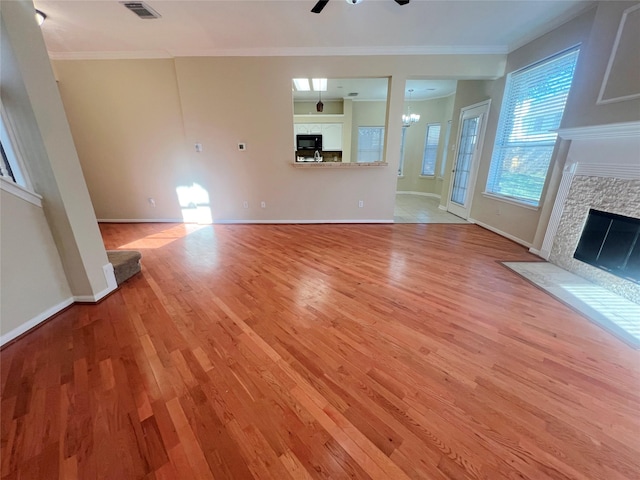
(602, 171)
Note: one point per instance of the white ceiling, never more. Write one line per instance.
(106, 29)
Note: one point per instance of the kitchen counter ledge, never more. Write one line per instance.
(338, 164)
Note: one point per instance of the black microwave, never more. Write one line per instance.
(311, 142)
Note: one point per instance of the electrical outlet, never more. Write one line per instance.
(198, 147)
(151, 201)
(242, 146)
(245, 204)
(263, 204)
(360, 203)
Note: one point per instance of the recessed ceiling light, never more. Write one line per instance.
(302, 84)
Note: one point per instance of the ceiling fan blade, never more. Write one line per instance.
(319, 6)
(402, 2)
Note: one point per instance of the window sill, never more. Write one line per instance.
(20, 192)
(427, 177)
(511, 201)
(400, 176)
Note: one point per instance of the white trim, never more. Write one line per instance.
(442, 207)
(297, 222)
(241, 221)
(556, 212)
(535, 251)
(511, 201)
(287, 52)
(623, 172)
(135, 55)
(612, 130)
(13, 149)
(612, 56)
(500, 232)
(110, 276)
(35, 321)
(20, 192)
(93, 298)
(422, 194)
(141, 220)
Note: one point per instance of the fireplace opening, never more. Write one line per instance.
(611, 242)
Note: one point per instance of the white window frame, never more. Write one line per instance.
(430, 152)
(543, 146)
(445, 150)
(381, 150)
(402, 145)
(13, 151)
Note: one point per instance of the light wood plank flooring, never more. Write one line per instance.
(320, 352)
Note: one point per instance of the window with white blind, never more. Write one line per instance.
(370, 144)
(532, 109)
(445, 150)
(430, 149)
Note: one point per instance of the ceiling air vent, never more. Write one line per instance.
(143, 10)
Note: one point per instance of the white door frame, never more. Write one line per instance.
(480, 109)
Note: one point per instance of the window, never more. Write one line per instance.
(10, 168)
(430, 149)
(445, 150)
(531, 110)
(401, 165)
(370, 144)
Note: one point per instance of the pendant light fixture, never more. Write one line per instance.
(319, 105)
(410, 118)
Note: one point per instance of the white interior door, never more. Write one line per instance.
(465, 168)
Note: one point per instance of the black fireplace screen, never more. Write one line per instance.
(611, 242)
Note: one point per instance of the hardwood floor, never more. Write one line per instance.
(320, 352)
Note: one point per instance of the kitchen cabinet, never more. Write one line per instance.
(331, 133)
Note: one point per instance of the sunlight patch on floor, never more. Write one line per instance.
(160, 239)
(612, 312)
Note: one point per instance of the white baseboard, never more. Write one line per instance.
(442, 207)
(537, 252)
(35, 321)
(140, 220)
(296, 222)
(500, 232)
(422, 194)
(241, 222)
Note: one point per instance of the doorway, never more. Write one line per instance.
(469, 148)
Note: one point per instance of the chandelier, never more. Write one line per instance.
(409, 118)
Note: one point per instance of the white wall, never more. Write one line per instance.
(33, 279)
(135, 123)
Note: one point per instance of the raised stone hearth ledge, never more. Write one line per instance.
(602, 171)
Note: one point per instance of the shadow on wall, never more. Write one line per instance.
(195, 204)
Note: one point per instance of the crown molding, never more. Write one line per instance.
(612, 130)
(286, 52)
(108, 55)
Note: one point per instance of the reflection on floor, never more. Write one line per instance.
(419, 209)
(612, 312)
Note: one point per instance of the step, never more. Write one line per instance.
(126, 263)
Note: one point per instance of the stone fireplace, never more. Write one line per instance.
(602, 172)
